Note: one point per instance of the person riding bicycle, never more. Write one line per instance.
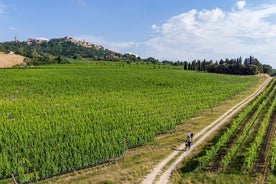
(189, 140)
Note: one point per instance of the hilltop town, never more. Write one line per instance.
(33, 41)
(57, 50)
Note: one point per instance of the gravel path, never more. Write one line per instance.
(161, 176)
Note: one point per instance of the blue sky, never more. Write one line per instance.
(165, 29)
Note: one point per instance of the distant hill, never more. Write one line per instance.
(43, 51)
(61, 50)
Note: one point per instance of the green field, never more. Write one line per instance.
(59, 118)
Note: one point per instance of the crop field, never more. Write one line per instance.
(56, 119)
(244, 151)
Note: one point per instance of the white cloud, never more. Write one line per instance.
(208, 34)
(215, 15)
(184, 21)
(155, 27)
(215, 34)
(241, 4)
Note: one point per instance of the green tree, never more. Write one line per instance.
(185, 65)
(152, 60)
(267, 69)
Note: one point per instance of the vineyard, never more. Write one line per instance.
(56, 119)
(245, 148)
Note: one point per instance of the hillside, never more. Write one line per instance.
(43, 51)
(9, 60)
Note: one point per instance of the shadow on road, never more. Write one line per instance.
(176, 149)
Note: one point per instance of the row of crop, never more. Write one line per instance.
(254, 147)
(224, 139)
(273, 143)
(228, 157)
(273, 155)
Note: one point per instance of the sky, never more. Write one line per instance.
(181, 30)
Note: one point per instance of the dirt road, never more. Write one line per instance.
(161, 175)
(9, 60)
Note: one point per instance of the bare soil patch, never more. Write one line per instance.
(9, 60)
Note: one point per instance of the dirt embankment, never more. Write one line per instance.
(9, 60)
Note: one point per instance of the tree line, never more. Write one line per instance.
(237, 66)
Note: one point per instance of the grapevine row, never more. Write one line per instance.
(223, 140)
(235, 147)
(253, 149)
(273, 156)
